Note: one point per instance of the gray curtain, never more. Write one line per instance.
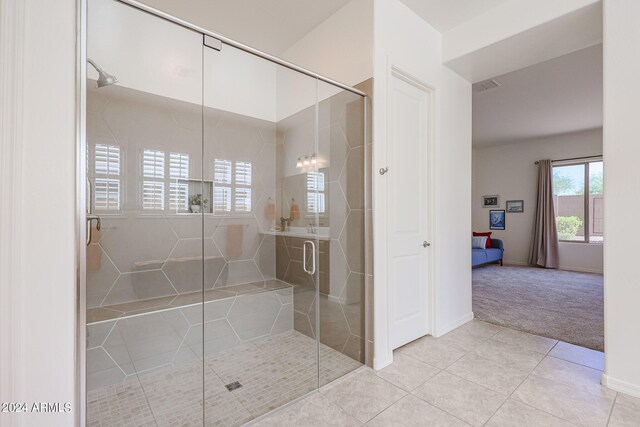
(544, 245)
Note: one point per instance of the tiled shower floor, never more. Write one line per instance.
(272, 371)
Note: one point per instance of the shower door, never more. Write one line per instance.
(260, 165)
(144, 283)
(225, 266)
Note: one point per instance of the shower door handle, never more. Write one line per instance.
(90, 216)
(313, 258)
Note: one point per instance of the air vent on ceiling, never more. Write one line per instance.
(485, 85)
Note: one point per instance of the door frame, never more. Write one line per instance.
(383, 352)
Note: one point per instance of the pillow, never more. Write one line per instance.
(485, 234)
(479, 242)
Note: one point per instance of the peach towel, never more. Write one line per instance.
(295, 211)
(235, 236)
(270, 210)
(94, 253)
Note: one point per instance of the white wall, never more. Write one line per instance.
(340, 48)
(42, 306)
(520, 33)
(403, 39)
(509, 171)
(621, 175)
(152, 55)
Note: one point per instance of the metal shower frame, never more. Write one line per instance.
(81, 187)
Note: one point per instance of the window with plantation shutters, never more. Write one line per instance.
(232, 186)
(315, 192)
(222, 170)
(153, 164)
(107, 183)
(243, 187)
(178, 185)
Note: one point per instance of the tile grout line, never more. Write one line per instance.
(615, 399)
(435, 406)
(510, 394)
(518, 386)
(409, 393)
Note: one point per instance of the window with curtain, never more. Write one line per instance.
(578, 198)
(108, 180)
(232, 186)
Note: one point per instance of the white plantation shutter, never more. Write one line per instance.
(178, 187)
(243, 173)
(315, 192)
(179, 196)
(107, 194)
(222, 199)
(243, 187)
(243, 199)
(107, 177)
(179, 165)
(232, 186)
(152, 195)
(222, 172)
(107, 159)
(153, 165)
(222, 177)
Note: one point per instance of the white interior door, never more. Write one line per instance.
(407, 209)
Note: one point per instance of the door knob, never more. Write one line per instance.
(426, 244)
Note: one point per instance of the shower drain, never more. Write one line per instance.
(233, 386)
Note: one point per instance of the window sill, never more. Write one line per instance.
(573, 242)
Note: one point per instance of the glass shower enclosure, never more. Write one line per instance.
(225, 214)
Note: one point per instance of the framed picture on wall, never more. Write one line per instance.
(516, 206)
(490, 201)
(496, 220)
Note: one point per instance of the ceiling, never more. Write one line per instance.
(446, 14)
(268, 25)
(558, 96)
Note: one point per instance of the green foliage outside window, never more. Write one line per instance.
(568, 227)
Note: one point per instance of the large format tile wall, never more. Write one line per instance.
(141, 254)
(120, 349)
(343, 153)
(140, 257)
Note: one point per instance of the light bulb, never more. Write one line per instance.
(306, 161)
(313, 159)
(299, 163)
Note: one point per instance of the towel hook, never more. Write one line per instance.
(384, 170)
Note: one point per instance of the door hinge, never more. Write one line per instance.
(212, 42)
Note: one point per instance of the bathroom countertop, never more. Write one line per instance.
(301, 233)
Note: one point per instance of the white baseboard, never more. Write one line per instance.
(621, 386)
(579, 269)
(382, 362)
(518, 263)
(441, 330)
(508, 262)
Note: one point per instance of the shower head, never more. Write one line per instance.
(104, 78)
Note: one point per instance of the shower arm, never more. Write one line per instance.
(94, 65)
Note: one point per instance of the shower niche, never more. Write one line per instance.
(202, 308)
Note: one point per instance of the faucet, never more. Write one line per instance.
(311, 228)
(285, 223)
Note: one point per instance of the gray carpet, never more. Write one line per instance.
(562, 305)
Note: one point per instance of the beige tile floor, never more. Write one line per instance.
(479, 375)
(273, 371)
